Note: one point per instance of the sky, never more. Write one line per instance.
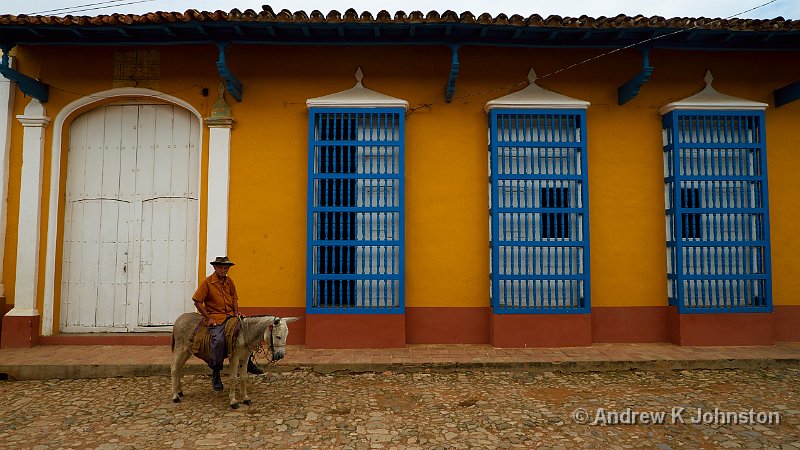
(764, 9)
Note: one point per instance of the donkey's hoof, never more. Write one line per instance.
(176, 400)
(234, 406)
(180, 394)
(247, 402)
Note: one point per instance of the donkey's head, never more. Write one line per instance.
(276, 335)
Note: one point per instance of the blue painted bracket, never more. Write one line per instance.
(450, 89)
(233, 85)
(629, 90)
(26, 84)
(787, 94)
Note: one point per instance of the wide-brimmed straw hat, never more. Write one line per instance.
(222, 261)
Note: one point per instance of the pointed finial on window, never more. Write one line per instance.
(709, 78)
(532, 76)
(359, 76)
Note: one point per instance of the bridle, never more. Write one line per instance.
(258, 348)
(272, 359)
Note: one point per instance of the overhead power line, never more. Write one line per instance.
(88, 7)
(648, 40)
(114, 3)
(587, 60)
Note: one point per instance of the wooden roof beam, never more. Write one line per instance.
(232, 84)
(26, 84)
(787, 94)
(631, 88)
(450, 89)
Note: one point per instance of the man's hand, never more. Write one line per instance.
(210, 322)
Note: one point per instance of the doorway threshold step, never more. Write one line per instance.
(158, 338)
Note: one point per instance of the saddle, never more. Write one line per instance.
(201, 339)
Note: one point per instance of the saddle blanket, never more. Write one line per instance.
(201, 339)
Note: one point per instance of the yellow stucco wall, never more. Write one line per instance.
(446, 156)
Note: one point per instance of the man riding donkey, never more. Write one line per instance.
(216, 300)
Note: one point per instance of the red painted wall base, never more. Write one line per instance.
(443, 325)
(20, 332)
(164, 339)
(721, 329)
(630, 324)
(355, 330)
(786, 323)
(541, 330)
(3, 310)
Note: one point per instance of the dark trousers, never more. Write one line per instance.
(217, 357)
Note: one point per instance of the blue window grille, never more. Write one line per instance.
(539, 221)
(715, 184)
(355, 211)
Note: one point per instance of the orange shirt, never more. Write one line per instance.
(217, 296)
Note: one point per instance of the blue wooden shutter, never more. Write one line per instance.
(355, 260)
(715, 177)
(539, 218)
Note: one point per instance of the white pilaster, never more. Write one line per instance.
(219, 147)
(219, 163)
(6, 113)
(34, 122)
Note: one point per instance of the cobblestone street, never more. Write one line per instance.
(479, 409)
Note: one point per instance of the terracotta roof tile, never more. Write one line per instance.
(467, 17)
(351, 16)
(401, 17)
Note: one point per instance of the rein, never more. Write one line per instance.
(258, 348)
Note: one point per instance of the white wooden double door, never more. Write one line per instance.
(131, 218)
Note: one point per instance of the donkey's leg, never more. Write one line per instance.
(176, 370)
(234, 370)
(243, 380)
(187, 355)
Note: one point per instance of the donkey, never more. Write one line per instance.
(254, 330)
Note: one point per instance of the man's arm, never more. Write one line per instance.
(207, 317)
(235, 297)
(235, 308)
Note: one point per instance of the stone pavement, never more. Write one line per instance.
(95, 361)
(418, 397)
(464, 409)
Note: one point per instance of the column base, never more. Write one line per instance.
(3, 309)
(19, 332)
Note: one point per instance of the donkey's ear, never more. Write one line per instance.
(291, 319)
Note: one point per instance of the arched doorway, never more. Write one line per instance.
(131, 217)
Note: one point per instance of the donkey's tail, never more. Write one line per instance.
(173, 343)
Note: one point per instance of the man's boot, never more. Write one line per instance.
(252, 367)
(216, 381)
